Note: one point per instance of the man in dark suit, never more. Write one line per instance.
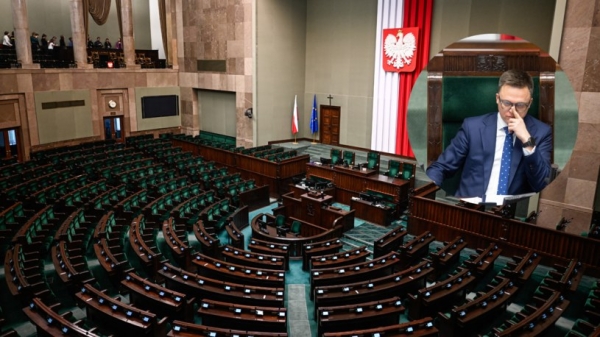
(479, 146)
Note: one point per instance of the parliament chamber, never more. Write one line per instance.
(178, 236)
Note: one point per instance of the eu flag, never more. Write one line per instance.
(314, 118)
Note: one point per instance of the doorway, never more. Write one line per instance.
(113, 128)
(330, 125)
(10, 143)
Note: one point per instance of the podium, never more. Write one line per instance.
(312, 203)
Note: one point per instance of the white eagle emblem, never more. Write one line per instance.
(400, 51)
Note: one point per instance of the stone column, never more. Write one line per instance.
(21, 26)
(79, 36)
(128, 41)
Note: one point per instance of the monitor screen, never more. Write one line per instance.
(160, 106)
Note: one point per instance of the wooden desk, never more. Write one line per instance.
(377, 214)
(161, 300)
(185, 329)
(245, 317)
(311, 207)
(382, 266)
(349, 183)
(420, 328)
(353, 256)
(469, 316)
(310, 233)
(441, 295)
(119, 316)
(365, 315)
(271, 248)
(356, 172)
(250, 259)
(446, 221)
(319, 248)
(204, 287)
(522, 268)
(389, 242)
(397, 284)
(49, 322)
(218, 269)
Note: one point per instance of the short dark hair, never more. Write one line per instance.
(516, 79)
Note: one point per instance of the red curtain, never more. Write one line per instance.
(417, 13)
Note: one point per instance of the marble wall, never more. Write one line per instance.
(216, 31)
(572, 194)
(22, 86)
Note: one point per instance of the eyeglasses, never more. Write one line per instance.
(520, 107)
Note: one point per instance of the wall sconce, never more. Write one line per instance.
(248, 113)
(109, 64)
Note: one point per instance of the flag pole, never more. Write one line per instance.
(295, 142)
(314, 139)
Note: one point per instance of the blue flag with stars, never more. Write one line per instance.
(314, 118)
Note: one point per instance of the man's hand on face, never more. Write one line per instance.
(516, 125)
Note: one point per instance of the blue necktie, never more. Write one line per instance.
(505, 163)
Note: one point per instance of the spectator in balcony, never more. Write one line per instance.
(6, 41)
(61, 42)
(90, 44)
(44, 42)
(107, 44)
(35, 43)
(52, 43)
(98, 44)
(70, 43)
(119, 44)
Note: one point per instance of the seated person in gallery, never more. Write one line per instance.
(501, 153)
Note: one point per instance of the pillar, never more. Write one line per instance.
(128, 41)
(21, 26)
(78, 34)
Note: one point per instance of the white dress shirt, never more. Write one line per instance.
(492, 188)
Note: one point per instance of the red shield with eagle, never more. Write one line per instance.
(399, 49)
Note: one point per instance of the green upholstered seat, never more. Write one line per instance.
(372, 160)
(408, 171)
(296, 227)
(393, 168)
(349, 157)
(280, 221)
(335, 156)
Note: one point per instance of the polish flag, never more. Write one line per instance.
(295, 116)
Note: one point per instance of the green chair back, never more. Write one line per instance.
(335, 155)
(408, 171)
(393, 168)
(280, 221)
(349, 157)
(296, 227)
(372, 160)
